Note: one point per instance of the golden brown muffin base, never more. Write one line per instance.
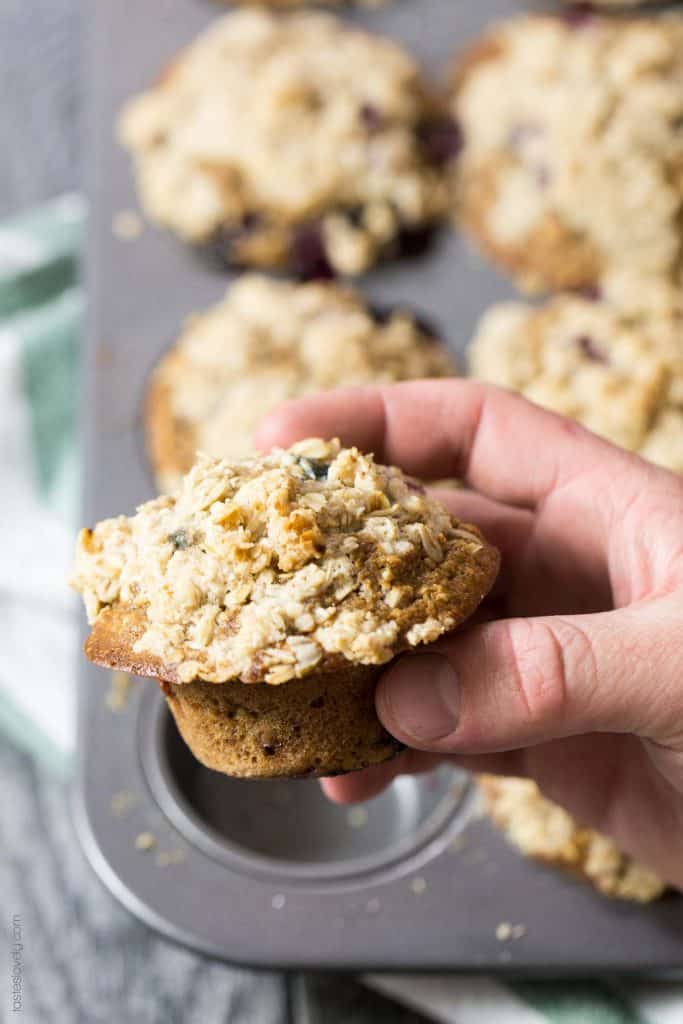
(324, 724)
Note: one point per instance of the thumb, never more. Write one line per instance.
(520, 682)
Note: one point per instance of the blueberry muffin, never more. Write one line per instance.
(620, 377)
(545, 832)
(292, 141)
(268, 341)
(571, 168)
(268, 593)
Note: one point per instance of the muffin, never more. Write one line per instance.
(293, 141)
(265, 342)
(620, 377)
(267, 595)
(571, 168)
(545, 832)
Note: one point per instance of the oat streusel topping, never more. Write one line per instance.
(269, 124)
(621, 378)
(266, 342)
(571, 171)
(261, 569)
(545, 831)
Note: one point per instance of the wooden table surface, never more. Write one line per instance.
(87, 959)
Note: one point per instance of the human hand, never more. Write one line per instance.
(576, 680)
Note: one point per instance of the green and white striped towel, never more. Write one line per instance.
(41, 307)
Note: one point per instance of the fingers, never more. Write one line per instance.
(368, 783)
(502, 445)
(519, 682)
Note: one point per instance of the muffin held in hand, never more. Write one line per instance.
(268, 341)
(544, 831)
(267, 595)
(291, 140)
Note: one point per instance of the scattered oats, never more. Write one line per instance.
(126, 225)
(418, 886)
(357, 817)
(167, 857)
(458, 844)
(119, 691)
(506, 932)
(278, 901)
(145, 841)
(123, 802)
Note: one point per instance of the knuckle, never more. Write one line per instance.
(546, 658)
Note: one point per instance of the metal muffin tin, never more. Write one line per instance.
(270, 874)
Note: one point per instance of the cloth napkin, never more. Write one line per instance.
(41, 309)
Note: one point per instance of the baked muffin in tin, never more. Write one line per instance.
(294, 141)
(265, 342)
(570, 173)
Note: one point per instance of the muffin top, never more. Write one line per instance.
(265, 342)
(272, 121)
(620, 377)
(273, 567)
(571, 171)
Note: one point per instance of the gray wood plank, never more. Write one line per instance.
(86, 959)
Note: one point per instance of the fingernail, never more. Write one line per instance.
(421, 696)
